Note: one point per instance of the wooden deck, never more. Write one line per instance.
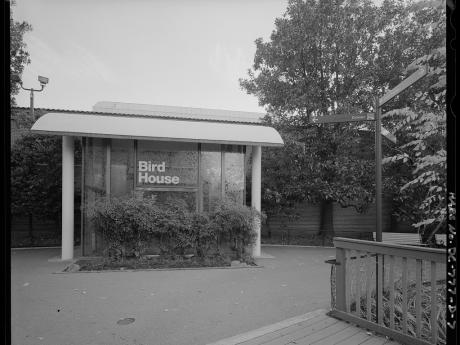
(315, 328)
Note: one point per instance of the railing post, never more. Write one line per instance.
(340, 284)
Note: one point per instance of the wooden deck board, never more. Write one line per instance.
(287, 330)
(314, 335)
(375, 340)
(316, 329)
(339, 336)
(358, 338)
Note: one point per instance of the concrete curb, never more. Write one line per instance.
(240, 338)
(162, 269)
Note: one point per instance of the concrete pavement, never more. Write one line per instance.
(179, 307)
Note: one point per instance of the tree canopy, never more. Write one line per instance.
(422, 190)
(332, 57)
(19, 57)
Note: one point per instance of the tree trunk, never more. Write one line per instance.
(31, 229)
(326, 226)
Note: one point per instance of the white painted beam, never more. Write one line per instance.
(67, 197)
(256, 194)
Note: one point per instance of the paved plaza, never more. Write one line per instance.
(176, 307)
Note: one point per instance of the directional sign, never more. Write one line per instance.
(388, 135)
(420, 73)
(384, 132)
(344, 118)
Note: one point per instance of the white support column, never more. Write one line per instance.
(256, 192)
(67, 197)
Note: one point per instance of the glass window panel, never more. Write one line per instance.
(234, 173)
(95, 158)
(161, 164)
(211, 175)
(121, 167)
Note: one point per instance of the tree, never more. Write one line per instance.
(330, 57)
(19, 57)
(422, 190)
(319, 171)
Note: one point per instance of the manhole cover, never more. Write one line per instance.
(126, 321)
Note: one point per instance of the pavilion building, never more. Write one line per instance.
(198, 155)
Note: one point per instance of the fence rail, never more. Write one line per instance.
(396, 290)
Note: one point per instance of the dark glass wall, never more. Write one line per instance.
(210, 176)
(94, 187)
(121, 167)
(199, 174)
(234, 183)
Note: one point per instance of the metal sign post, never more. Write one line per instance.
(378, 172)
(379, 260)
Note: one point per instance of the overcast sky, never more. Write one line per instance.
(176, 52)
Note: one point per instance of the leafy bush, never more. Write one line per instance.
(234, 223)
(36, 180)
(173, 227)
(128, 225)
(204, 234)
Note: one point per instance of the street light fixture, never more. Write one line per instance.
(43, 81)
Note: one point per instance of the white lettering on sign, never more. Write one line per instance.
(149, 166)
(144, 167)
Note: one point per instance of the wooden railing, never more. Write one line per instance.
(395, 290)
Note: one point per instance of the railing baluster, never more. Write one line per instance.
(350, 279)
(418, 298)
(404, 293)
(391, 282)
(357, 281)
(380, 289)
(348, 272)
(370, 261)
(434, 319)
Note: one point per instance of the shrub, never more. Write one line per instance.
(204, 234)
(126, 224)
(174, 230)
(235, 223)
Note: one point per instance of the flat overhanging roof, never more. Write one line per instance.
(149, 128)
(187, 113)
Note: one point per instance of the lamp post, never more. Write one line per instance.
(43, 81)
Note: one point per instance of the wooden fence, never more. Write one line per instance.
(395, 290)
